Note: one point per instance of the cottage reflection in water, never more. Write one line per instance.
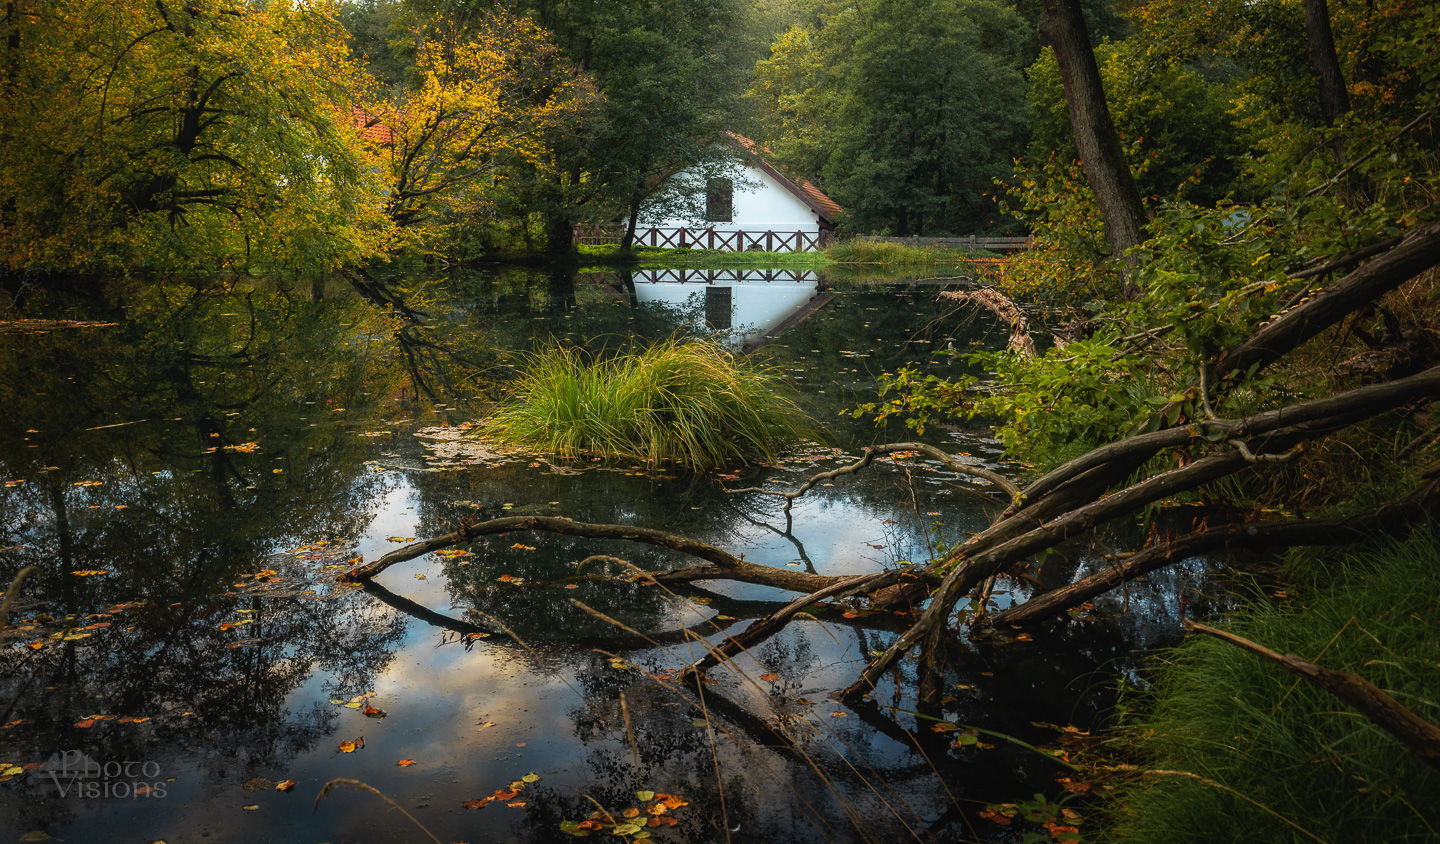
(755, 306)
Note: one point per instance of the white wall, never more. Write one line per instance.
(765, 205)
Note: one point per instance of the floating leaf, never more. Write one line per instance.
(519, 546)
(89, 572)
(405, 763)
(645, 796)
(530, 777)
(476, 803)
(352, 746)
(769, 678)
(631, 812)
(372, 712)
(285, 785)
(252, 807)
(401, 538)
(85, 724)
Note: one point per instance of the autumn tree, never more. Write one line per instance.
(489, 96)
(183, 136)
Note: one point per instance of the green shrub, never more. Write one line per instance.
(691, 404)
(1249, 726)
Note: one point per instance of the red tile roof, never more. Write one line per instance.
(828, 209)
(370, 127)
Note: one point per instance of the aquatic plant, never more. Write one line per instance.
(685, 403)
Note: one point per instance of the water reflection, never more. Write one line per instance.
(222, 455)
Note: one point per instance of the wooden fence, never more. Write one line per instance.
(719, 239)
(994, 244)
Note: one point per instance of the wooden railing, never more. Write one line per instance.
(994, 244)
(718, 239)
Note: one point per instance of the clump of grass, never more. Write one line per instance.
(1300, 753)
(686, 403)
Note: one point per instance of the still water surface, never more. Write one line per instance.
(189, 474)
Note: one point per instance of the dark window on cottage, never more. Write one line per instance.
(719, 201)
(719, 306)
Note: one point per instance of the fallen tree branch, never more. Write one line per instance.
(971, 568)
(1007, 311)
(765, 628)
(1420, 736)
(468, 531)
(1389, 519)
(868, 456)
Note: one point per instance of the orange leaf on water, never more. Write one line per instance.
(405, 763)
(285, 785)
(769, 677)
(352, 746)
(476, 803)
(631, 812)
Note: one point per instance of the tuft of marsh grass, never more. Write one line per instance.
(1252, 728)
(687, 403)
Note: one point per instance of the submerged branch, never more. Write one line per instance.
(871, 452)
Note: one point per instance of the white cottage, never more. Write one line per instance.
(765, 210)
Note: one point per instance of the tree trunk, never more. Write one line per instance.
(1095, 136)
(1334, 99)
(559, 234)
(628, 240)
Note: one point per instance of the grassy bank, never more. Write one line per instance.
(691, 404)
(1288, 762)
(898, 254)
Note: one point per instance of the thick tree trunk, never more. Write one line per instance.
(628, 240)
(1095, 136)
(1334, 98)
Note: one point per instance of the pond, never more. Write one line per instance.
(188, 474)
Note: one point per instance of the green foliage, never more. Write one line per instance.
(902, 112)
(1176, 121)
(1282, 743)
(1206, 278)
(691, 404)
